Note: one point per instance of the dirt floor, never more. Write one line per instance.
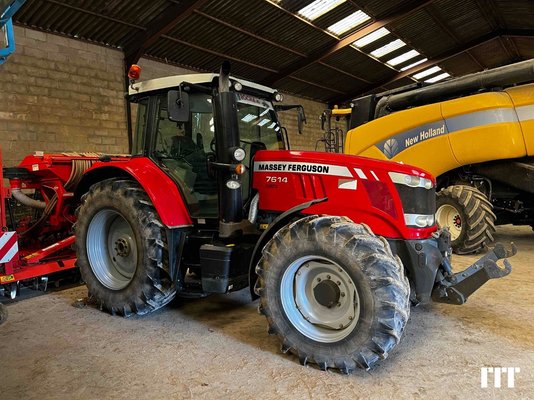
(218, 348)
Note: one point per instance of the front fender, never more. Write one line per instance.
(280, 221)
(160, 188)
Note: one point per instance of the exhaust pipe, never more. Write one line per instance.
(227, 138)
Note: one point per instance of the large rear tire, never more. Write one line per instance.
(121, 249)
(333, 293)
(468, 214)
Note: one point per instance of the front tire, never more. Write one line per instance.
(468, 214)
(121, 249)
(333, 293)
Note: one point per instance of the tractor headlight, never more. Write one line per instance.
(279, 97)
(410, 180)
(418, 198)
(419, 220)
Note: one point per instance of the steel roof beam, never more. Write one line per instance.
(135, 47)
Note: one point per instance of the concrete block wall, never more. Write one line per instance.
(60, 94)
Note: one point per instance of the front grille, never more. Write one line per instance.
(417, 200)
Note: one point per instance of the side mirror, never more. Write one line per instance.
(301, 119)
(178, 106)
(323, 120)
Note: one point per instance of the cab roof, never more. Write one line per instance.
(174, 81)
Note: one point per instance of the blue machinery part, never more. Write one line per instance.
(7, 9)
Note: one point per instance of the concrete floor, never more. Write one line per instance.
(218, 348)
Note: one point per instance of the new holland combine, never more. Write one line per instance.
(474, 133)
(212, 200)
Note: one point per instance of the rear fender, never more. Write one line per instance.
(160, 188)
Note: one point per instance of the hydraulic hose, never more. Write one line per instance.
(26, 200)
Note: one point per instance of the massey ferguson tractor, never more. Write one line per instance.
(212, 200)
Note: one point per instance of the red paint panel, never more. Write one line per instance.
(41, 269)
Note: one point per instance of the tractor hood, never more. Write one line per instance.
(389, 196)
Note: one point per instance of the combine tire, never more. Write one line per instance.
(468, 214)
(3, 313)
(333, 293)
(122, 249)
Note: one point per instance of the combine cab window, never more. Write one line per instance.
(183, 149)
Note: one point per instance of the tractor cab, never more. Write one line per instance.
(176, 127)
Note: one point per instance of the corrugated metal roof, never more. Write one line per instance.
(266, 40)
(491, 54)
(422, 32)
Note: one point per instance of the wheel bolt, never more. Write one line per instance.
(318, 279)
(342, 294)
(338, 283)
(328, 276)
(340, 326)
(351, 318)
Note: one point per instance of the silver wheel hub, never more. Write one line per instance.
(320, 299)
(111, 249)
(122, 247)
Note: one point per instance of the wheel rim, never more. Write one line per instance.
(447, 215)
(111, 249)
(320, 299)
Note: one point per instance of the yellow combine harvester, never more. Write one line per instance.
(474, 133)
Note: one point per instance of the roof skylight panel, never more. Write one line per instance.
(370, 38)
(318, 7)
(388, 48)
(427, 72)
(347, 23)
(414, 64)
(438, 78)
(403, 57)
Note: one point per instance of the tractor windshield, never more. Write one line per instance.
(258, 122)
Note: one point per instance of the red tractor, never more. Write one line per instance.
(212, 201)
